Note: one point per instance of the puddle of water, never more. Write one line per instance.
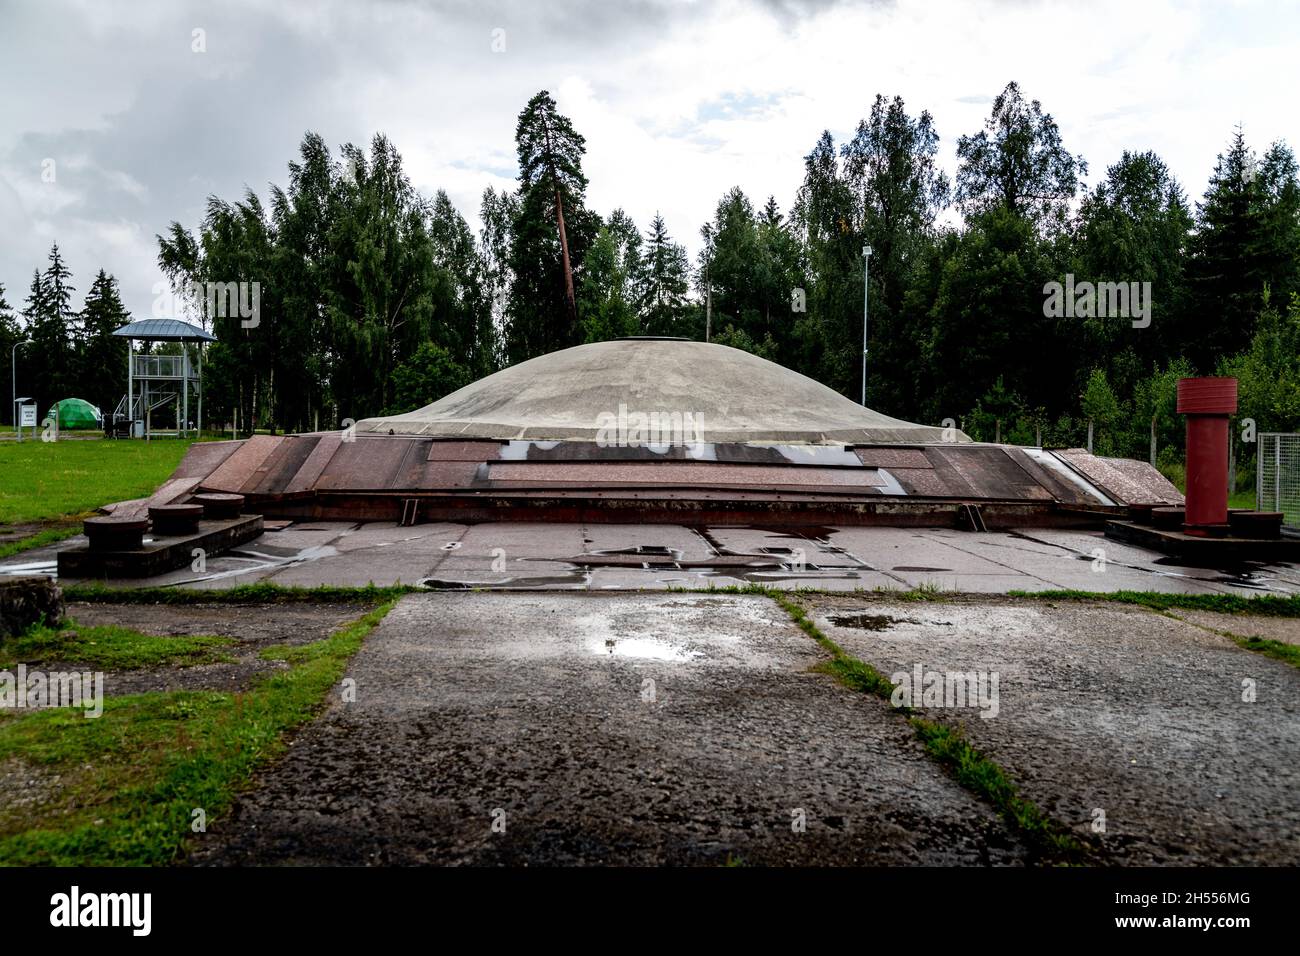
(573, 579)
(878, 622)
(1241, 575)
(867, 622)
(656, 549)
(32, 567)
(641, 647)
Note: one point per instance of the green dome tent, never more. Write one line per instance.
(75, 413)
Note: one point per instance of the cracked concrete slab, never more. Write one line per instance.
(1188, 744)
(603, 728)
(548, 556)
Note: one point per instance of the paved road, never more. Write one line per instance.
(691, 729)
(538, 712)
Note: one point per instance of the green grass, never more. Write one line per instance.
(969, 766)
(125, 785)
(1278, 650)
(977, 773)
(45, 481)
(1242, 499)
(1265, 605)
(242, 594)
(109, 647)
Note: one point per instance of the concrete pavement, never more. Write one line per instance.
(659, 557)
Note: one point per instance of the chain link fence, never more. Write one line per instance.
(1277, 476)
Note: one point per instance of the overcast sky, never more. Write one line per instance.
(678, 101)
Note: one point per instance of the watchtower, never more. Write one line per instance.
(156, 381)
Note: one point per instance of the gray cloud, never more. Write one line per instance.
(678, 100)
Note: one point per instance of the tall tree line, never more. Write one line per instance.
(375, 298)
(65, 352)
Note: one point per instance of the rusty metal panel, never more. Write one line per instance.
(893, 458)
(280, 466)
(233, 473)
(681, 473)
(1059, 487)
(411, 468)
(464, 451)
(925, 482)
(953, 484)
(169, 492)
(305, 479)
(1145, 479)
(448, 475)
(989, 472)
(366, 464)
(203, 457)
(1127, 481)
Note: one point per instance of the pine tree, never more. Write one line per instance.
(58, 283)
(666, 282)
(1279, 239)
(1228, 270)
(101, 357)
(48, 357)
(552, 233)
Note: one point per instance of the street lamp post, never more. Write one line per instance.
(13, 371)
(866, 272)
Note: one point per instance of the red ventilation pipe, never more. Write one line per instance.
(1207, 403)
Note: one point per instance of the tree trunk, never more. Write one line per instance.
(564, 253)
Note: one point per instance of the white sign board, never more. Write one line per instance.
(28, 419)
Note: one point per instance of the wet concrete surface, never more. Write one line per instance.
(1117, 709)
(602, 728)
(576, 557)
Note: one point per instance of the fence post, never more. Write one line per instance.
(1259, 473)
(1277, 472)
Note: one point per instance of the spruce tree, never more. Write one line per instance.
(48, 357)
(101, 357)
(1279, 237)
(1228, 270)
(666, 282)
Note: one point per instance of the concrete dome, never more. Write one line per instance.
(730, 396)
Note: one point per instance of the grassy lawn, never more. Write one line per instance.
(123, 788)
(46, 481)
(1242, 499)
(108, 647)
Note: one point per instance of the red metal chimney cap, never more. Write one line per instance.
(1207, 396)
